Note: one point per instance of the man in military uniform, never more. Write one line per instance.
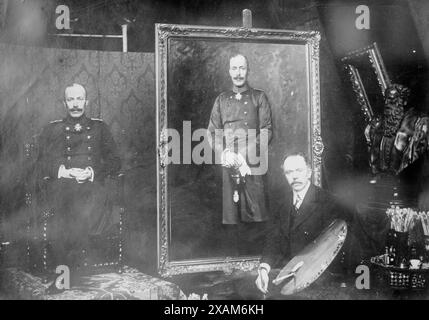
(239, 128)
(76, 154)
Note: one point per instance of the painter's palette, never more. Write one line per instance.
(316, 257)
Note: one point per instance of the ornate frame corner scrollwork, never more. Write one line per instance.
(360, 92)
(163, 32)
(373, 55)
(378, 64)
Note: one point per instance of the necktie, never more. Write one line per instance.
(294, 212)
(297, 202)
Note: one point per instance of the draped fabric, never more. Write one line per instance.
(130, 285)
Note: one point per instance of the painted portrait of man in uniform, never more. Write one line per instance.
(236, 114)
(232, 108)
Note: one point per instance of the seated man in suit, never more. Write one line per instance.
(302, 214)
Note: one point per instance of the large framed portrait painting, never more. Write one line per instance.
(197, 71)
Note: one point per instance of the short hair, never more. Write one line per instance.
(294, 153)
(235, 55)
(74, 85)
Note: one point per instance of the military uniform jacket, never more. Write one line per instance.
(235, 117)
(231, 118)
(289, 232)
(77, 143)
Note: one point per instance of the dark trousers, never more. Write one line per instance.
(78, 211)
(252, 202)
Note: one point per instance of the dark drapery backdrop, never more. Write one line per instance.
(120, 89)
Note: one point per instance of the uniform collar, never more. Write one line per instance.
(83, 119)
(240, 89)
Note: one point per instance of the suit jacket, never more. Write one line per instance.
(288, 232)
(229, 123)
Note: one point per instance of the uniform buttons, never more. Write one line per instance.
(88, 128)
(245, 102)
(89, 148)
(306, 233)
(68, 158)
(245, 123)
(89, 158)
(230, 97)
(67, 128)
(68, 137)
(89, 137)
(68, 148)
(245, 112)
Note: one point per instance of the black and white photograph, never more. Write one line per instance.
(214, 150)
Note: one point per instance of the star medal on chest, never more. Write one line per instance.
(238, 96)
(77, 127)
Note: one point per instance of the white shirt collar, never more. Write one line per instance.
(301, 194)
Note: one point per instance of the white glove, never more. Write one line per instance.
(65, 173)
(229, 159)
(243, 168)
(262, 280)
(83, 175)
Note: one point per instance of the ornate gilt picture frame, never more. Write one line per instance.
(368, 76)
(191, 69)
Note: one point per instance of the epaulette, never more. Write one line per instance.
(56, 121)
(96, 119)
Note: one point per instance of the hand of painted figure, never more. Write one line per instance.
(244, 170)
(75, 172)
(230, 159)
(83, 175)
(243, 167)
(262, 280)
(68, 173)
